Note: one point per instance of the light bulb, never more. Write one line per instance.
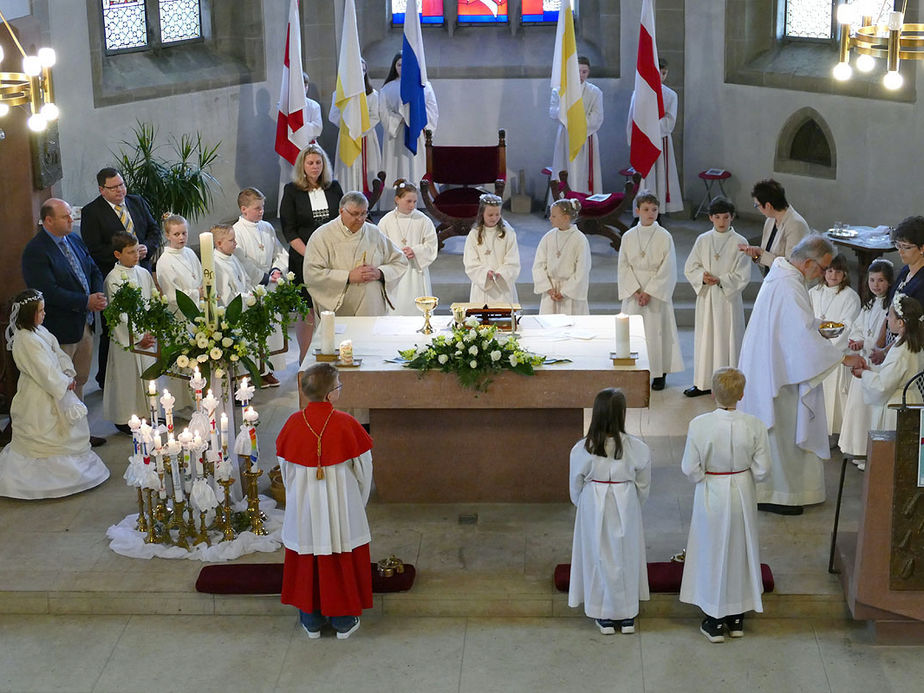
(47, 56)
(50, 111)
(4, 109)
(36, 122)
(842, 72)
(844, 14)
(32, 66)
(866, 63)
(893, 80)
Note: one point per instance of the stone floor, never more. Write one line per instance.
(483, 614)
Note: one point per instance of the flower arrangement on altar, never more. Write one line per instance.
(474, 352)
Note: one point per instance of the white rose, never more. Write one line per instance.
(513, 359)
(219, 373)
(235, 357)
(124, 276)
(473, 363)
(495, 356)
(290, 276)
(226, 342)
(202, 341)
(471, 322)
(215, 353)
(442, 358)
(260, 290)
(182, 360)
(250, 301)
(202, 358)
(216, 336)
(473, 350)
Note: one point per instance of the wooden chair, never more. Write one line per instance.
(378, 185)
(600, 218)
(455, 208)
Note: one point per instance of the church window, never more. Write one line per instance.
(133, 25)
(482, 11)
(540, 11)
(180, 20)
(806, 146)
(431, 11)
(814, 19)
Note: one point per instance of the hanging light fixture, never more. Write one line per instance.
(32, 86)
(893, 40)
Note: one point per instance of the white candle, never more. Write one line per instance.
(206, 251)
(327, 332)
(197, 446)
(224, 424)
(157, 445)
(152, 388)
(622, 336)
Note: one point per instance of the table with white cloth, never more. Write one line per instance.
(436, 441)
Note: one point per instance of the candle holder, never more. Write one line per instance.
(203, 535)
(253, 500)
(142, 524)
(227, 529)
(176, 521)
(151, 537)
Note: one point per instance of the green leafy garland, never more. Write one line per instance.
(474, 352)
(231, 337)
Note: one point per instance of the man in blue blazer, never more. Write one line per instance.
(57, 263)
(115, 210)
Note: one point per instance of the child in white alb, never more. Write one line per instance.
(561, 270)
(726, 452)
(491, 256)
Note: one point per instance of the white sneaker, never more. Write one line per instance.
(861, 466)
(345, 634)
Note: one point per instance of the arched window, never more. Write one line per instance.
(806, 146)
(133, 25)
(815, 19)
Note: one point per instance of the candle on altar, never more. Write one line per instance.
(224, 425)
(134, 423)
(167, 402)
(207, 253)
(185, 438)
(157, 445)
(244, 393)
(622, 336)
(198, 447)
(327, 330)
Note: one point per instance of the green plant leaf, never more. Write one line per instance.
(234, 309)
(187, 306)
(252, 369)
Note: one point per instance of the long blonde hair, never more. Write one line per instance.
(301, 178)
(488, 200)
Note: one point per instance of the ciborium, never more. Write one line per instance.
(426, 304)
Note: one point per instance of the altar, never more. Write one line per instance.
(436, 441)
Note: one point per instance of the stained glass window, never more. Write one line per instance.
(179, 20)
(431, 11)
(541, 11)
(125, 24)
(482, 11)
(814, 19)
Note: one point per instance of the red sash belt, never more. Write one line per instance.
(740, 471)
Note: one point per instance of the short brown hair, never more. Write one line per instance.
(221, 231)
(174, 220)
(122, 240)
(728, 386)
(646, 196)
(318, 380)
(248, 196)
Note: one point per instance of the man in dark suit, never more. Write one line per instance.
(57, 263)
(115, 210)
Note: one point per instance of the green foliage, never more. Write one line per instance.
(474, 353)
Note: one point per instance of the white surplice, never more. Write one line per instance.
(362, 172)
(124, 391)
(785, 359)
(719, 322)
(883, 385)
(585, 172)
(647, 262)
(414, 231)
(333, 251)
(840, 306)
(259, 250)
(49, 455)
(397, 159)
(609, 571)
(725, 453)
(663, 180)
(501, 255)
(563, 262)
(179, 269)
(230, 278)
(857, 413)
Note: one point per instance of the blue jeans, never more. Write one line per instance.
(315, 621)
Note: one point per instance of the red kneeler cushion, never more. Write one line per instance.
(266, 578)
(593, 208)
(458, 202)
(662, 577)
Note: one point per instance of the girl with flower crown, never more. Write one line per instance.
(561, 270)
(49, 455)
(491, 256)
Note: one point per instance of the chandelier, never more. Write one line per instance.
(889, 38)
(33, 85)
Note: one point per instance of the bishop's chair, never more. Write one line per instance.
(599, 217)
(464, 168)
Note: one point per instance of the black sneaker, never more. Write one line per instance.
(777, 509)
(606, 626)
(713, 629)
(695, 392)
(735, 625)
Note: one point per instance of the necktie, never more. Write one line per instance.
(75, 266)
(125, 219)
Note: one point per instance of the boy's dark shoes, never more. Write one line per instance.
(627, 626)
(606, 626)
(344, 634)
(124, 428)
(735, 625)
(713, 629)
(696, 392)
(658, 383)
(780, 509)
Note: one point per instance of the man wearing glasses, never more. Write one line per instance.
(115, 210)
(784, 227)
(785, 359)
(350, 263)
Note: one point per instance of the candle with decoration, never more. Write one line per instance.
(197, 382)
(244, 393)
(152, 402)
(167, 402)
(250, 418)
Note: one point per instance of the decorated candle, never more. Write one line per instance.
(224, 425)
(346, 352)
(198, 447)
(206, 251)
(622, 336)
(167, 402)
(327, 330)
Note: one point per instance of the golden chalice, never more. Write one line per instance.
(426, 304)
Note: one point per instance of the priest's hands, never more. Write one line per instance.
(364, 274)
(710, 279)
(555, 295)
(854, 345)
(408, 252)
(642, 298)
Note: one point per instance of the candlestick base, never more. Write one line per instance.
(142, 524)
(182, 535)
(151, 537)
(253, 502)
(203, 535)
(624, 361)
(227, 530)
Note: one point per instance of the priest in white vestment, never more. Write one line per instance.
(584, 172)
(350, 263)
(718, 273)
(785, 360)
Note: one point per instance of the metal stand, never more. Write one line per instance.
(837, 516)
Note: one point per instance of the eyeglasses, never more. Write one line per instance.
(756, 204)
(114, 187)
(906, 246)
(823, 268)
(357, 215)
(339, 387)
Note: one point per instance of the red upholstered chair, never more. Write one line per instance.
(600, 218)
(378, 185)
(466, 168)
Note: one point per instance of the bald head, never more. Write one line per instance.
(56, 217)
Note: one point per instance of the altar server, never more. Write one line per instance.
(726, 452)
(258, 248)
(561, 270)
(124, 393)
(413, 232)
(647, 270)
(230, 276)
(784, 359)
(491, 256)
(584, 172)
(350, 262)
(362, 172)
(862, 340)
(610, 475)
(49, 455)
(718, 273)
(833, 300)
(325, 458)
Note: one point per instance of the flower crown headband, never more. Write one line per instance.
(11, 329)
(489, 199)
(897, 307)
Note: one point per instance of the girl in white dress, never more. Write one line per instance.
(610, 475)
(561, 270)
(491, 256)
(862, 339)
(49, 455)
(835, 300)
(413, 232)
